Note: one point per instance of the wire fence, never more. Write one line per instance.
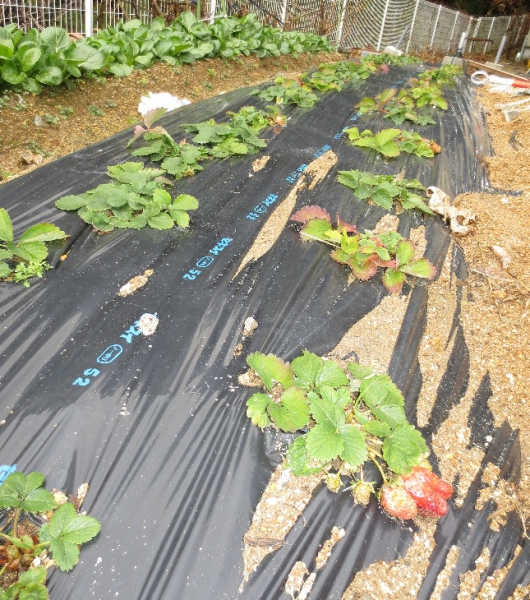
(424, 26)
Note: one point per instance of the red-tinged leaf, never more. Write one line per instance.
(385, 263)
(393, 280)
(364, 270)
(340, 256)
(384, 68)
(420, 268)
(342, 225)
(310, 212)
(138, 130)
(152, 116)
(404, 253)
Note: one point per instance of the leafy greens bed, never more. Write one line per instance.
(49, 57)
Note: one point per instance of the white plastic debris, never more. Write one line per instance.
(148, 323)
(458, 219)
(250, 326)
(160, 100)
(503, 256)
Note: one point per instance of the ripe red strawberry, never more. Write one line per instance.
(397, 502)
(428, 491)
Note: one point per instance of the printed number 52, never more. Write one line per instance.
(88, 373)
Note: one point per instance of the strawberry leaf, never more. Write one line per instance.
(420, 268)
(298, 460)
(324, 411)
(44, 232)
(271, 369)
(355, 451)
(404, 252)
(385, 136)
(315, 230)
(324, 442)
(6, 228)
(393, 280)
(292, 411)
(257, 410)
(403, 448)
(363, 270)
(307, 213)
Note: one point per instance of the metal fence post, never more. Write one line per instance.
(452, 32)
(341, 22)
(435, 25)
(383, 25)
(213, 9)
(284, 13)
(412, 25)
(89, 18)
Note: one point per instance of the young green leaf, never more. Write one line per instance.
(420, 268)
(257, 410)
(291, 412)
(355, 451)
(6, 228)
(404, 253)
(185, 202)
(315, 230)
(298, 460)
(324, 442)
(271, 369)
(393, 280)
(71, 202)
(65, 531)
(26, 493)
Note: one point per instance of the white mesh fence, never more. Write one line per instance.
(423, 25)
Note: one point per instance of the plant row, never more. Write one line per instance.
(347, 417)
(49, 57)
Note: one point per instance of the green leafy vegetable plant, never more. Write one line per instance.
(25, 258)
(288, 91)
(390, 59)
(391, 142)
(348, 416)
(135, 199)
(365, 252)
(26, 540)
(335, 76)
(384, 190)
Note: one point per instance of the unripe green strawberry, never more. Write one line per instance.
(362, 492)
(397, 502)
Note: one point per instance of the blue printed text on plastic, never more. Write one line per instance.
(5, 472)
(322, 151)
(207, 260)
(296, 174)
(109, 354)
(262, 207)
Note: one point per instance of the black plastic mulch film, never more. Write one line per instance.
(174, 465)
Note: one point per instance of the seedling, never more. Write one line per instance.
(365, 252)
(350, 416)
(134, 200)
(24, 544)
(384, 190)
(25, 258)
(391, 142)
(95, 110)
(335, 76)
(65, 111)
(445, 75)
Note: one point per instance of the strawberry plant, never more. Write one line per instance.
(365, 252)
(135, 199)
(288, 91)
(391, 142)
(384, 190)
(398, 107)
(29, 540)
(212, 140)
(25, 258)
(335, 76)
(348, 417)
(390, 59)
(445, 75)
